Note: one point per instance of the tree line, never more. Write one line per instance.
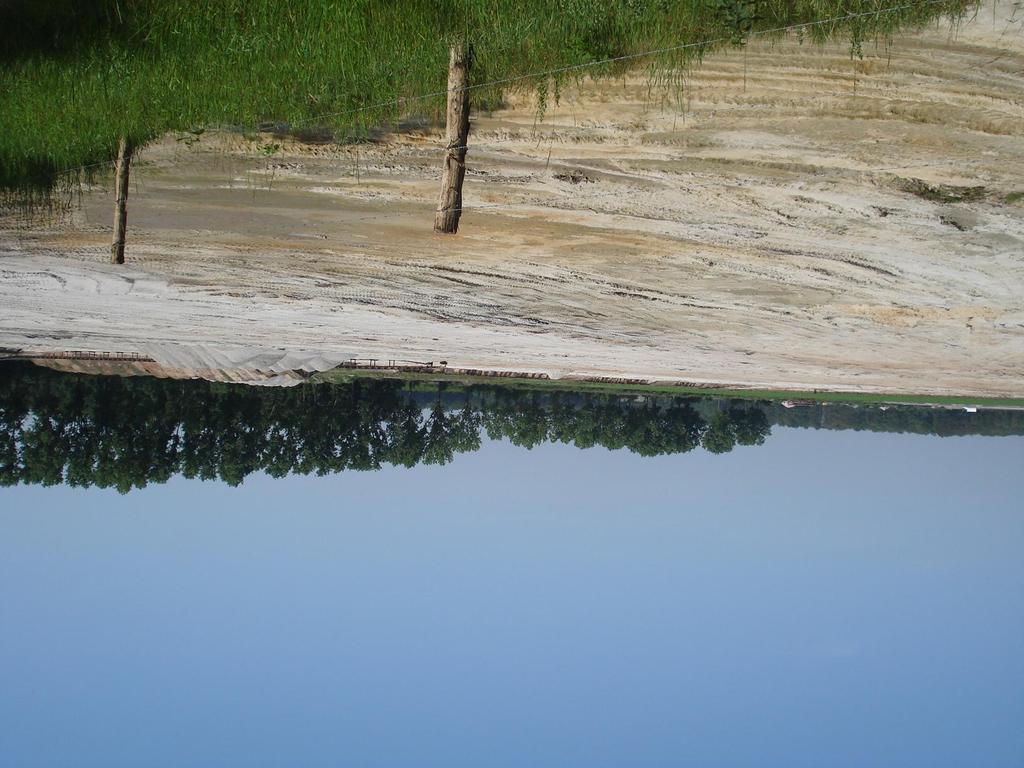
(125, 433)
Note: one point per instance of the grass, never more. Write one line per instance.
(942, 193)
(76, 76)
(348, 374)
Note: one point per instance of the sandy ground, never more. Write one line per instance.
(777, 232)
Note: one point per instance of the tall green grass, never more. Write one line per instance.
(78, 75)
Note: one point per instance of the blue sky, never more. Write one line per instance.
(840, 599)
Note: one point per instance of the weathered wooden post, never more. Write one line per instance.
(124, 162)
(449, 207)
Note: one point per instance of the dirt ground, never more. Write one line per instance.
(803, 220)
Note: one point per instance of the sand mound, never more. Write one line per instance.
(808, 221)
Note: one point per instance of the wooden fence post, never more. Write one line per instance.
(449, 207)
(124, 162)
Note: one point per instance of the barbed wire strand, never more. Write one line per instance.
(616, 59)
(400, 101)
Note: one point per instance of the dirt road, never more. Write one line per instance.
(805, 221)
